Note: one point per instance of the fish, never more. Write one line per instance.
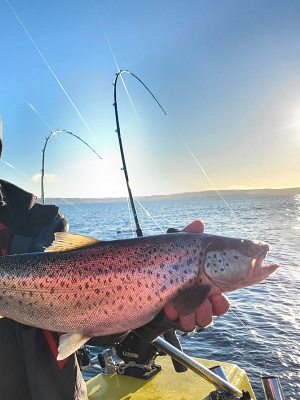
(85, 287)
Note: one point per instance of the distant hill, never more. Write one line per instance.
(178, 196)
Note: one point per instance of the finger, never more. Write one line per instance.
(196, 226)
(220, 304)
(170, 311)
(187, 322)
(204, 313)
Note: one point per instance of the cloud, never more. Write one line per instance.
(48, 178)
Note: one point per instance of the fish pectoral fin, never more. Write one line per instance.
(69, 343)
(68, 241)
(190, 299)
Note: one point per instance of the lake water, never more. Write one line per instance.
(261, 332)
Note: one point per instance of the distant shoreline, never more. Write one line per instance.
(181, 196)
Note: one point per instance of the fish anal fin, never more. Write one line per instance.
(69, 343)
(190, 299)
(68, 241)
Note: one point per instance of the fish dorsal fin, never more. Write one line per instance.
(68, 241)
(69, 343)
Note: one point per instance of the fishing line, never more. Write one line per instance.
(115, 60)
(50, 69)
(130, 217)
(106, 38)
(16, 169)
(37, 113)
(150, 216)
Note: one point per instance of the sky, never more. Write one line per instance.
(227, 74)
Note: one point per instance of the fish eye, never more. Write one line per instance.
(252, 249)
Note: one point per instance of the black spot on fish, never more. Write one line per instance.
(97, 291)
(163, 288)
(236, 257)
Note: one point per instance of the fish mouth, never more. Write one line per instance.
(259, 265)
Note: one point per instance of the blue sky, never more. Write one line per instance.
(226, 72)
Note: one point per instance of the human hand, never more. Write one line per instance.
(215, 305)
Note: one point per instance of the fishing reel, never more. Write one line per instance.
(138, 357)
(135, 350)
(139, 354)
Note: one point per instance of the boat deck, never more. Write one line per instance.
(166, 385)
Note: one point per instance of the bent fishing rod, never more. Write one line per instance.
(44, 154)
(139, 232)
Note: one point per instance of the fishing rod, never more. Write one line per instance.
(44, 153)
(139, 232)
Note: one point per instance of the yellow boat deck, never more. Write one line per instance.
(166, 385)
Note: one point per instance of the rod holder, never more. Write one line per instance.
(272, 388)
(196, 367)
(218, 370)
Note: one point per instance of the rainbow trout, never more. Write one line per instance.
(86, 287)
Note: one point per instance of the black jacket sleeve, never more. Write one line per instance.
(33, 224)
